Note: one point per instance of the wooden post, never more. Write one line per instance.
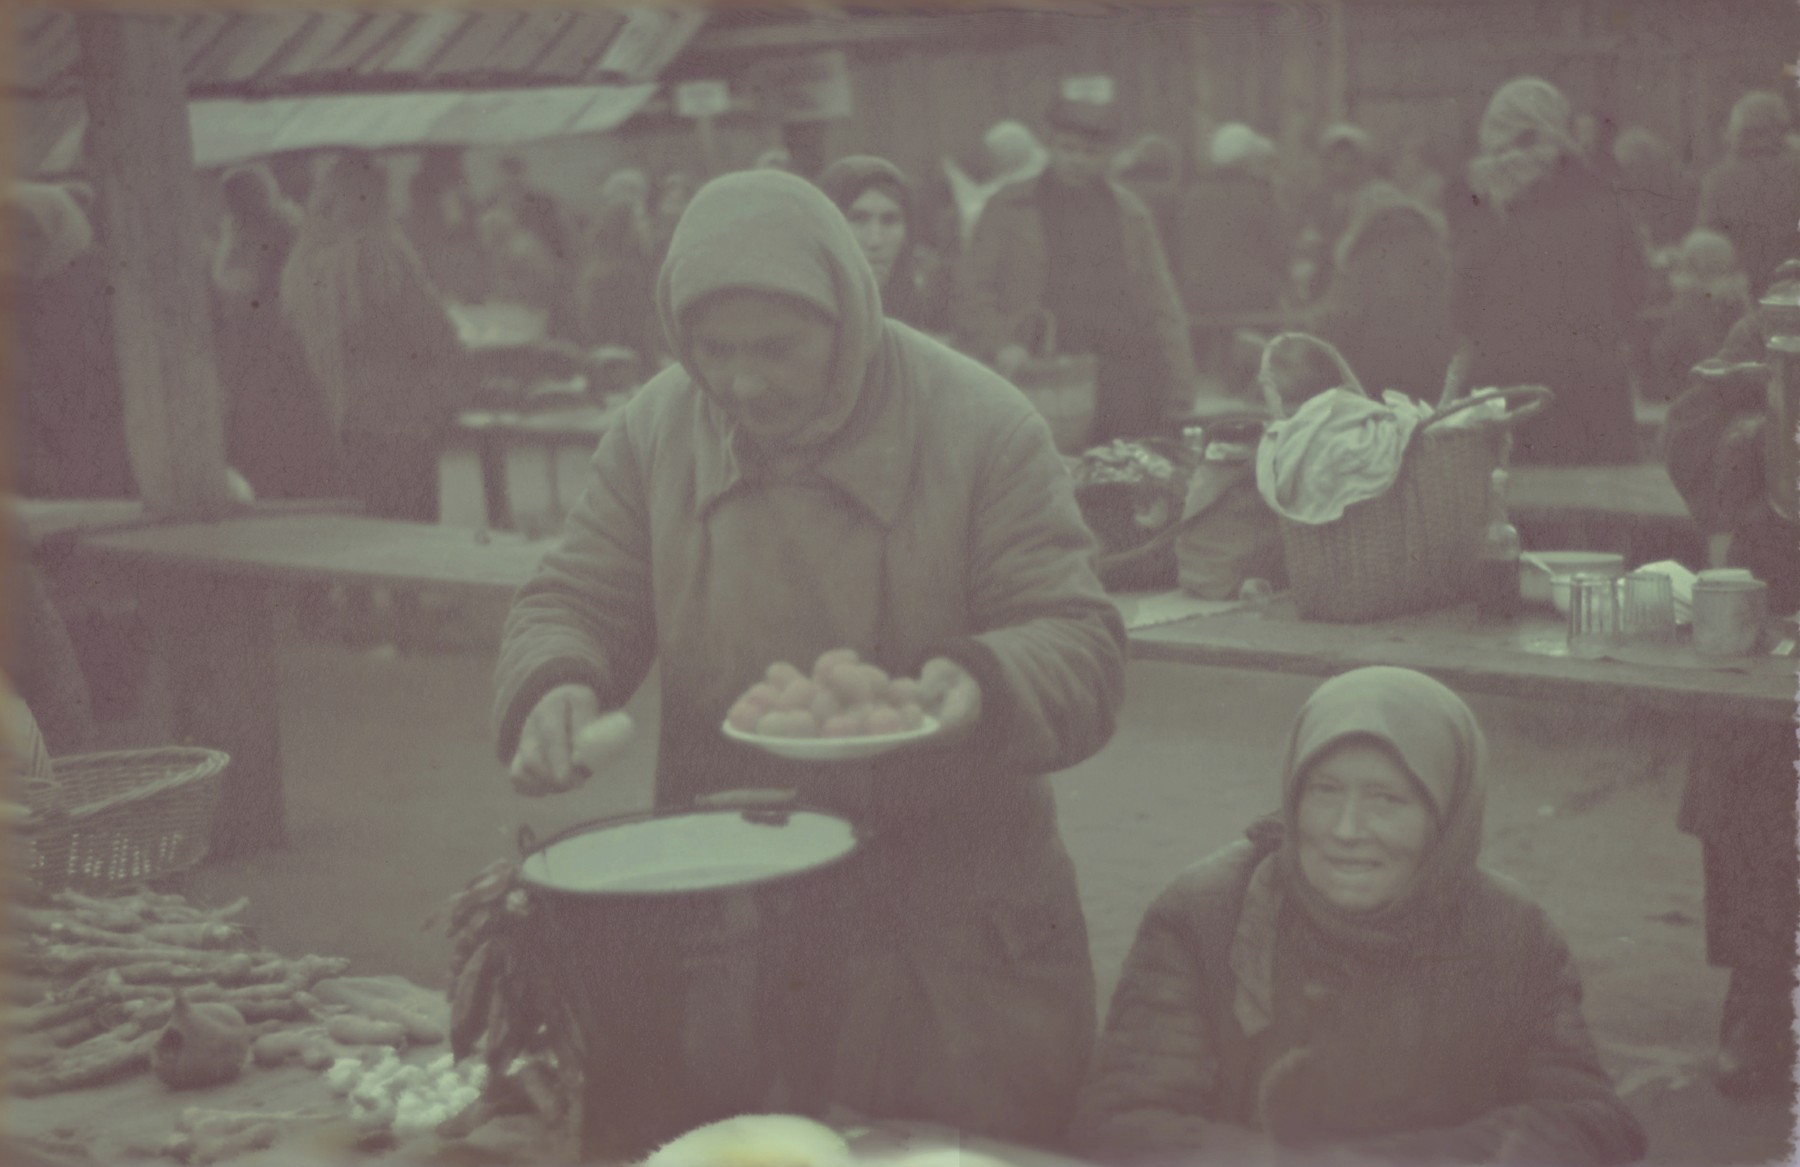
(142, 153)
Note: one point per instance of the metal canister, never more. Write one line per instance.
(1728, 615)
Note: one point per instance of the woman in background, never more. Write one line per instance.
(1549, 278)
(1752, 196)
(878, 201)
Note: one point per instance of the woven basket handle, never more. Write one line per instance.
(1536, 397)
(1343, 367)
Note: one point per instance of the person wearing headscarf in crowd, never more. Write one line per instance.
(1230, 247)
(1151, 169)
(278, 431)
(613, 293)
(1081, 249)
(1549, 279)
(67, 401)
(1752, 196)
(878, 201)
(1711, 293)
(775, 158)
(1347, 984)
(1014, 155)
(1662, 198)
(440, 222)
(1347, 163)
(1739, 796)
(812, 477)
(1387, 307)
(379, 342)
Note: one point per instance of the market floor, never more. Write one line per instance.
(395, 800)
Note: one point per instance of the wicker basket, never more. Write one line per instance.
(1415, 547)
(122, 817)
(1064, 388)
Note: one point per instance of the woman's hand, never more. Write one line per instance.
(950, 694)
(565, 740)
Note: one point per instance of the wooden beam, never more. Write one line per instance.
(142, 156)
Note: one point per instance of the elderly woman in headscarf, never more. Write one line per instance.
(1752, 197)
(1387, 307)
(879, 202)
(811, 477)
(1346, 984)
(1549, 279)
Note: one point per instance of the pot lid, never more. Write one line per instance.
(689, 852)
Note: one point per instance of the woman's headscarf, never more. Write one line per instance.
(843, 182)
(768, 231)
(1759, 125)
(1236, 144)
(1434, 735)
(1506, 168)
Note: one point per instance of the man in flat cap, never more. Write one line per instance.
(1079, 244)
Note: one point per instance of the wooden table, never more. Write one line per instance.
(1527, 659)
(205, 591)
(495, 433)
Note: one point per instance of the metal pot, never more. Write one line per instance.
(654, 928)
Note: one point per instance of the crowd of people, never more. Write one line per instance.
(1347, 976)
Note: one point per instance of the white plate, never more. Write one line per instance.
(834, 749)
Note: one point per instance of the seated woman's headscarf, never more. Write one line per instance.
(773, 232)
(1435, 737)
(843, 182)
(1524, 134)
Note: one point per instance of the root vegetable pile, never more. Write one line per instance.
(843, 698)
(110, 971)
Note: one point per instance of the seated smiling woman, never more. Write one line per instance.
(1345, 985)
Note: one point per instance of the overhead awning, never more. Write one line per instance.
(262, 82)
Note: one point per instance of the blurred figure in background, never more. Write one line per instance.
(1014, 155)
(1661, 198)
(1084, 249)
(1711, 293)
(613, 293)
(1229, 248)
(1416, 174)
(524, 270)
(440, 222)
(380, 343)
(1752, 196)
(1549, 277)
(775, 158)
(278, 431)
(1347, 164)
(1151, 169)
(1387, 306)
(878, 201)
(67, 401)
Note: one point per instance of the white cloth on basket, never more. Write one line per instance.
(1338, 449)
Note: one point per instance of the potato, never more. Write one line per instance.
(842, 725)
(764, 692)
(825, 706)
(833, 659)
(746, 713)
(849, 683)
(883, 720)
(903, 691)
(798, 696)
(788, 723)
(280, 1048)
(911, 717)
(783, 674)
(350, 1029)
